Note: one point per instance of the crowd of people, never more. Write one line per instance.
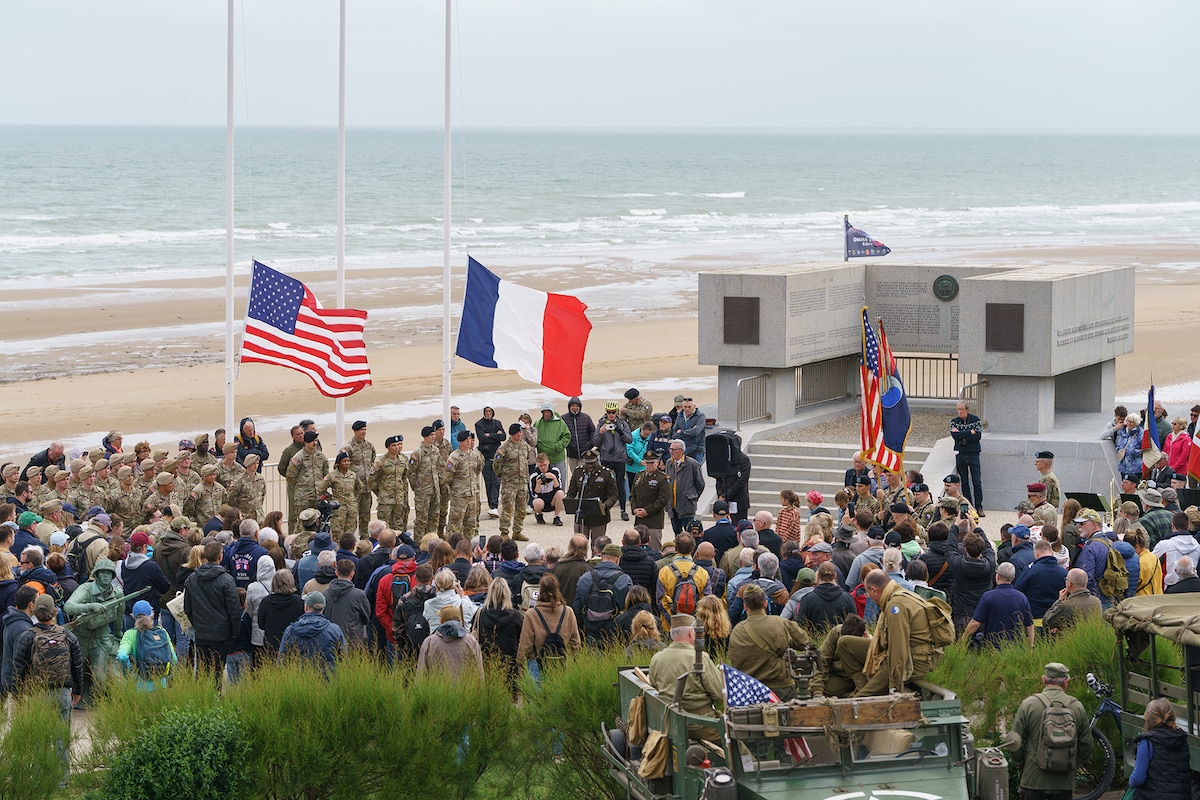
(157, 558)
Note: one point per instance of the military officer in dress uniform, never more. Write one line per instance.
(649, 497)
(593, 480)
(389, 481)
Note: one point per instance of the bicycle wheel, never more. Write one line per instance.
(1095, 773)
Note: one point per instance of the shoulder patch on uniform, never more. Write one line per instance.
(895, 609)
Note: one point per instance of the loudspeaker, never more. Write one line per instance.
(719, 447)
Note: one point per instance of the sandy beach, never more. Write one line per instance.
(146, 357)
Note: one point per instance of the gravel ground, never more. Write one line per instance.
(927, 428)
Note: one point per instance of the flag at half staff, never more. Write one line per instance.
(285, 325)
(859, 244)
(885, 416)
(543, 336)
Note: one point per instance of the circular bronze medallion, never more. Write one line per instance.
(945, 287)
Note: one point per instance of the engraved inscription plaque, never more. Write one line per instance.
(741, 320)
(1004, 328)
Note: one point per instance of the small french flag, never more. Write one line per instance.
(540, 335)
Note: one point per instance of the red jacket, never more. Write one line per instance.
(1178, 449)
(383, 597)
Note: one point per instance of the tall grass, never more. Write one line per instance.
(31, 766)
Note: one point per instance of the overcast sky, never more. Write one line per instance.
(1029, 64)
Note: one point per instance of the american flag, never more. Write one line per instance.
(872, 404)
(285, 325)
(745, 690)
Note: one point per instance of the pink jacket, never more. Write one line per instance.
(1178, 448)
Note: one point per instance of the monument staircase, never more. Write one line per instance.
(801, 466)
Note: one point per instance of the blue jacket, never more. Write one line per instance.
(240, 559)
(15, 623)
(1041, 583)
(1093, 559)
(312, 637)
(692, 431)
(1022, 556)
(1130, 442)
(455, 427)
(722, 536)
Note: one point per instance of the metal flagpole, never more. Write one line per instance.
(446, 236)
(340, 403)
(845, 247)
(229, 220)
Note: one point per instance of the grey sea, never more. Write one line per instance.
(78, 202)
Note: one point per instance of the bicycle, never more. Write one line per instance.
(1095, 774)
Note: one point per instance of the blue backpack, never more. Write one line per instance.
(153, 655)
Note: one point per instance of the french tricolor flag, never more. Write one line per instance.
(541, 335)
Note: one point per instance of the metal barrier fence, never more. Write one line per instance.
(752, 399)
(821, 381)
(930, 376)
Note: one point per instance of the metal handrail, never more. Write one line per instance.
(976, 392)
(752, 399)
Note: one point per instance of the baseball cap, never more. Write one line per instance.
(143, 609)
(892, 539)
(139, 539)
(720, 507)
(806, 577)
(314, 600)
(1019, 531)
(1089, 515)
(27, 518)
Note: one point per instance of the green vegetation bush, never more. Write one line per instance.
(32, 766)
(199, 753)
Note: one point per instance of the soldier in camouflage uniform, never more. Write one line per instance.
(389, 481)
(511, 466)
(165, 494)
(12, 474)
(890, 493)
(105, 480)
(346, 488)
(439, 440)
(362, 460)
(424, 466)
(185, 476)
(228, 469)
(126, 502)
(296, 445)
(249, 490)
(86, 494)
(40, 490)
(464, 467)
(305, 472)
(862, 499)
(203, 455)
(59, 491)
(144, 480)
(637, 410)
(205, 500)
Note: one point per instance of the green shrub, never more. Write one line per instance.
(197, 753)
(32, 765)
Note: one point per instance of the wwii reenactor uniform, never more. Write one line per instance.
(362, 459)
(345, 487)
(902, 648)
(205, 501)
(424, 466)
(758, 647)
(511, 466)
(389, 481)
(464, 467)
(249, 491)
(1026, 732)
(593, 480)
(305, 472)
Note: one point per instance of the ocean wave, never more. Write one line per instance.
(730, 195)
(647, 212)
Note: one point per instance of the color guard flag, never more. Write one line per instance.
(1193, 467)
(746, 690)
(1150, 437)
(859, 244)
(285, 325)
(886, 420)
(541, 335)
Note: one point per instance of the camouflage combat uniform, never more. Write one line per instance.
(389, 481)
(464, 468)
(362, 459)
(443, 485)
(305, 472)
(204, 502)
(227, 475)
(346, 489)
(424, 466)
(248, 494)
(511, 466)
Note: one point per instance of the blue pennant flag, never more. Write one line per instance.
(859, 244)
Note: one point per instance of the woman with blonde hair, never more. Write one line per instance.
(1161, 770)
(645, 640)
(498, 627)
(1150, 578)
(710, 613)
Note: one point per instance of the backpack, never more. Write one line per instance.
(1058, 746)
(77, 556)
(1115, 579)
(940, 617)
(56, 593)
(529, 595)
(600, 608)
(554, 647)
(412, 615)
(686, 594)
(153, 653)
(50, 657)
(402, 584)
